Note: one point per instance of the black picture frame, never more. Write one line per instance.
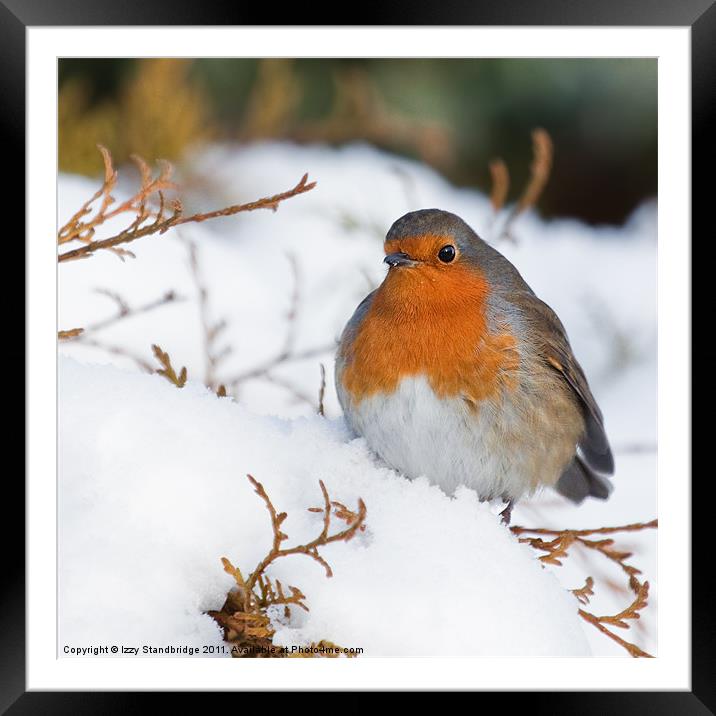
(699, 15)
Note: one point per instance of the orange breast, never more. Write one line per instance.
(431, 320)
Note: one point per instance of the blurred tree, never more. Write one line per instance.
(157, 111)
(455, 114)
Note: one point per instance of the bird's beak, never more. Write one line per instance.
(399, 259)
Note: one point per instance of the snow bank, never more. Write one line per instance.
(153, 492)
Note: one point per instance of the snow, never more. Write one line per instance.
(600, 280)
(153, 493)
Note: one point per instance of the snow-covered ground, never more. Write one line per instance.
(158, 474)
(154, 492)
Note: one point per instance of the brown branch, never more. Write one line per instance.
(78, 229)
(70, 333)
(632, 527)
(500, 184)
(167, 370)
(211, 330)
(243, 615)
(310, 549)
(584, 593)
(159, 226)
(558, 548)
(341, 512)
(75, 228)
(322, 391)
(543, 151)
(292, 314)
(540, 170)
(298, 395)
(83, 229)
(126, 311)
(268, 202)
(117, 351)
(287, 352)
(633, 649)
(263, 368)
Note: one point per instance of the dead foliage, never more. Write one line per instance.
(500, 175)
(148, 212)
(247, 626)
(342, 512)
(322, 391)
(211, 329)
(166, 369)
(123, 312)
(287, 353)
(557, 549)
(148, 209)
(540, 169)
(358, 110)
(159, 111)
(90, 335)
(70, 333)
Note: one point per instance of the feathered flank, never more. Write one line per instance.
(595, 455)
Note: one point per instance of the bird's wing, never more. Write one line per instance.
(596, 455)
(356, 319)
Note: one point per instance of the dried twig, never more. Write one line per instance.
(82, 226)
(77, 228)
(500, 184)
(69, 333)
(540, 169)
(159, 226)
(167, 370)
(287, 353)
(262, 369)
(101, 207)
(310, 549)
(82, 229)
(322, 391)
(543, 152)
(632, 649)
(211, 330)
(267, 202)
(125, 311)
(87, 336)
(298, 395)
(243, 614)
(342, 513)
(292, 314)
(583, 593)
(557, 549)
(117, 351)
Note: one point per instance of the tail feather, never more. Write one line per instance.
(579, 481)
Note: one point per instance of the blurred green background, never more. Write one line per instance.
(455, 115)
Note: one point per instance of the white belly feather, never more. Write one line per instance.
(446, 439)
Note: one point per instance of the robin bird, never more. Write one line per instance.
(454, 369)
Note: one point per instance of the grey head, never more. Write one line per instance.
(472, 248)
(431, 221)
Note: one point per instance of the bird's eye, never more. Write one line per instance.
(447, 253)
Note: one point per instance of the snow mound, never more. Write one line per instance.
(153, 492)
